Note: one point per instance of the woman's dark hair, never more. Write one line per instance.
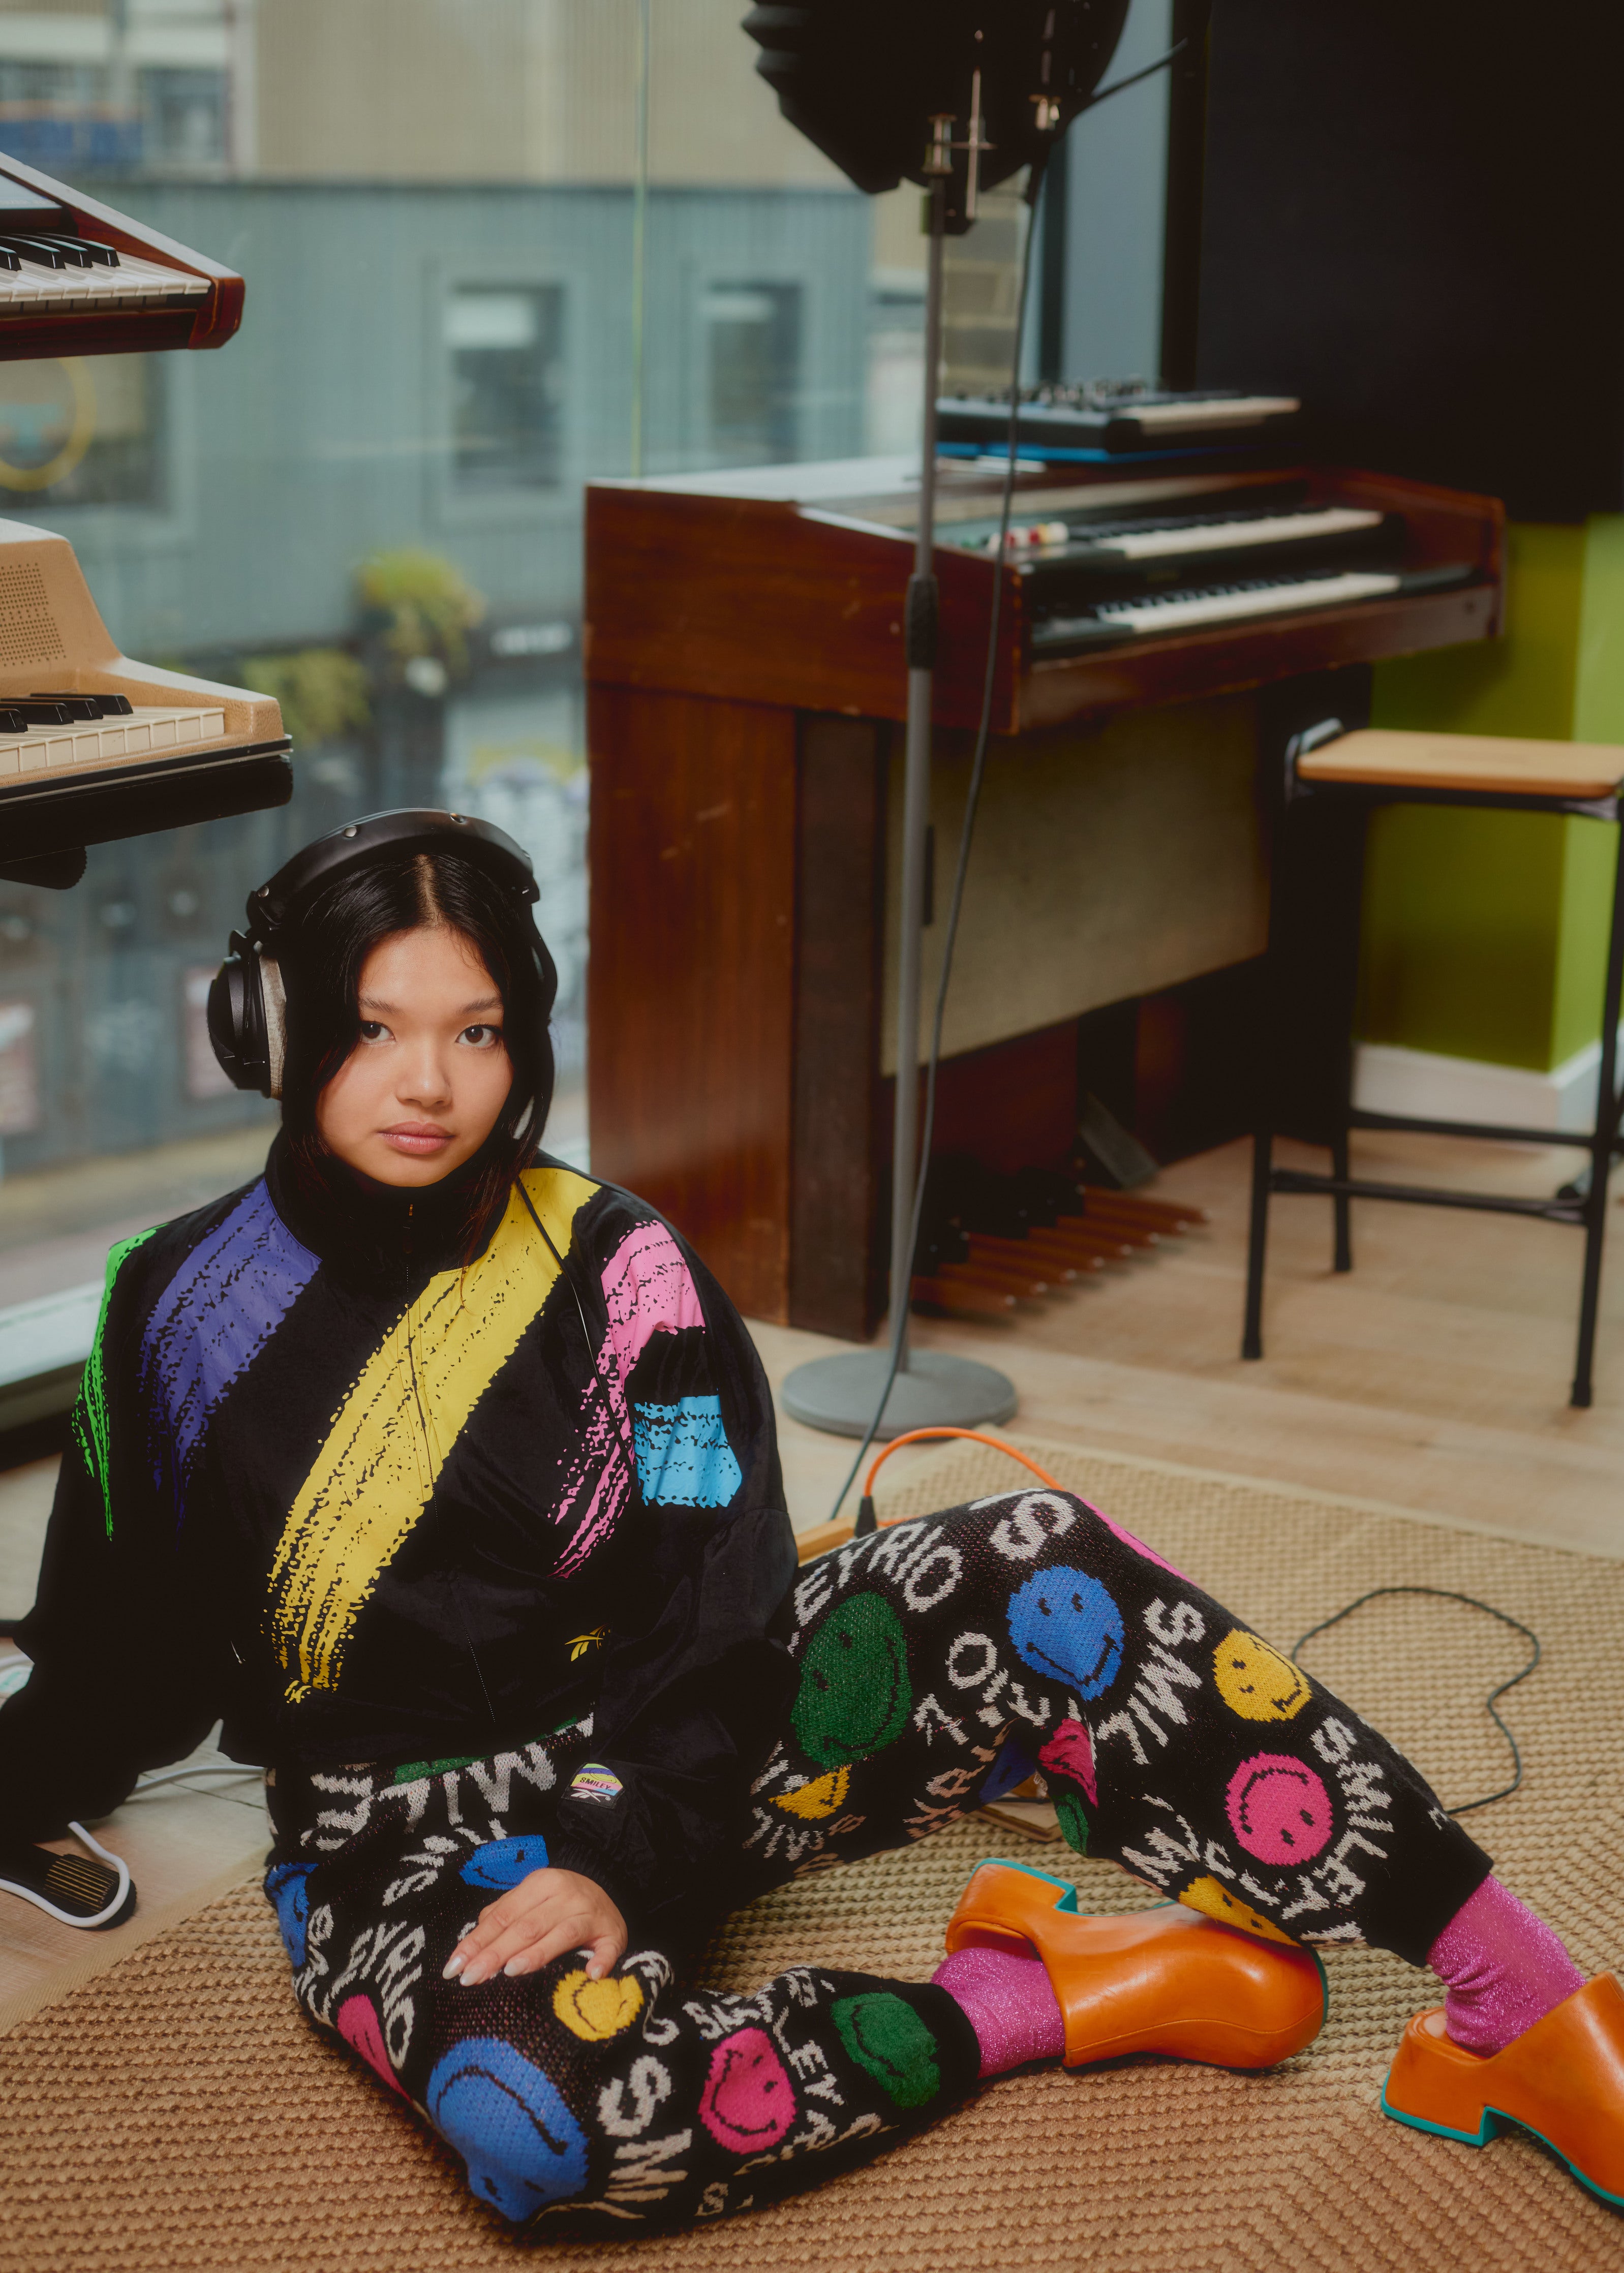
(322, 960)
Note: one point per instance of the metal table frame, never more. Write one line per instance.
(1585, 1210)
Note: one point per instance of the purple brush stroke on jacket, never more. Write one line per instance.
(211, 1322)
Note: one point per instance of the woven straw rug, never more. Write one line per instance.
(177, 2113)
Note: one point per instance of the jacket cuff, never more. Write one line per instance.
(566, 1853)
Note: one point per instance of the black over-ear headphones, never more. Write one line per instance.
(247, 1003)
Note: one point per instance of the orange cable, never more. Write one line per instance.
(975, 1437)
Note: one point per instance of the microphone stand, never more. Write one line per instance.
(921, 1389)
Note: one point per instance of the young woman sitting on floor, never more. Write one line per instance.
(446, 1476)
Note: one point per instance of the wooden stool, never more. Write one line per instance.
(1333, 780)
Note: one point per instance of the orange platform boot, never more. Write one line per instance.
(1563, 2080)
(1164, 1980)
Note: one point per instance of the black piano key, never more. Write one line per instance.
(38, 250)
(91, 255)
(34, 713)
(73, 253)
(95, 706)
(11, 721)
(10, 261)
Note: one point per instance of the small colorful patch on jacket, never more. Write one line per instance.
(595, 1783)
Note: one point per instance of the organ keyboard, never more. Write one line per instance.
(76, 278)
(1121, 587)
(94, 747)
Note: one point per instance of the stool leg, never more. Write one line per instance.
(1342, 1204)
(1262, 1155)
(1601, 1144)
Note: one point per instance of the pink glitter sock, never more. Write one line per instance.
(1503, 1968)
(1008, 2001)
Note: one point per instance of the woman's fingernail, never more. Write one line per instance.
(471, 1976)
(514, 1965)
(454, 1967)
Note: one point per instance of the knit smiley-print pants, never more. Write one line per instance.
(939, 1661)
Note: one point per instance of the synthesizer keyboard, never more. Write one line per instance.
(1060, 422)
(94, 747)
(76, 278)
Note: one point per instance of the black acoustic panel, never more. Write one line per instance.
(1409, 216)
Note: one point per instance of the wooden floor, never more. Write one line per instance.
(1434, 1378)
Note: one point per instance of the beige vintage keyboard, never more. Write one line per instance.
(125, 732)
(94, 746)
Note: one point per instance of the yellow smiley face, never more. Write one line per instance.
(1255, 1681)
(824, 1796)
(597, 2010)
(1215, 1901)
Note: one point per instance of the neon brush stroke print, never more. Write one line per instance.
(647, 1290)
(374, 1475)
(209, 1324)
(91, 1424)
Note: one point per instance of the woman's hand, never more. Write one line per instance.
(535, 1921)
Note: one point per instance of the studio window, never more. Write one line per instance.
(506, 348)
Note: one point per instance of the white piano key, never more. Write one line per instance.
(145, 731)
(1223, 537)
(1185, 417)
(1171, 615)
(35, 290)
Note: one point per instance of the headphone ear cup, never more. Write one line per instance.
(274, 1010)
(237, 1018)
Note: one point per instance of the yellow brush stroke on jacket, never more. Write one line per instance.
(375, 1474)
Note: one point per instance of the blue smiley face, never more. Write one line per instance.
(503, 1863)
(289, 1889)
(1066, 1627)
(509, 2122)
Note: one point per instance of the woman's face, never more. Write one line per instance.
(423, 1087)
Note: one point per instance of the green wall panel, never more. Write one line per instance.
(1485, 932)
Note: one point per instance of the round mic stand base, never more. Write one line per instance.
(839, 1394)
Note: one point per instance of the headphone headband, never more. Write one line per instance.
(247, 1016)
(411, 829)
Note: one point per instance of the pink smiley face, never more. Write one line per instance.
(747, 2102)
(1069, 1753)
(357, 2024)
(1278, 1808)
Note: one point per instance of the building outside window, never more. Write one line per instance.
(84, 431)
(369, 503)
(753, 357)
(506, 344)
(185, 119)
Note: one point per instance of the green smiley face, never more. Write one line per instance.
(854, 1696)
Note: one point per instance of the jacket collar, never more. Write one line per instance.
(384, 1236)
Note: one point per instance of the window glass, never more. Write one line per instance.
(493, 249)
(507, 373)
(753, 350)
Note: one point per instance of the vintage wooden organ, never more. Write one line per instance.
(745, 665)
